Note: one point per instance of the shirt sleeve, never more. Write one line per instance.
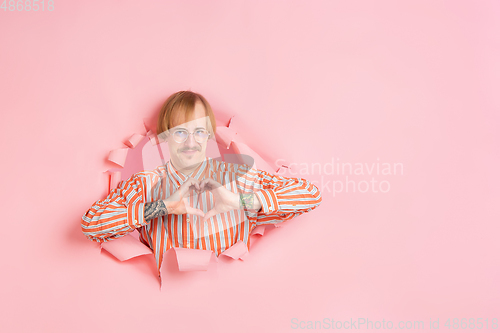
(282, 198)
(122, 211)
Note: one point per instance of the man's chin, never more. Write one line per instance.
(190, 156)
(190, 160)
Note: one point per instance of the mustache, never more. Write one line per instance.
(189, 148)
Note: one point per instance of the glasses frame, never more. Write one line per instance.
(171, 132)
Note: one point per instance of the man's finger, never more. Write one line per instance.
(203, 183)
(209, 184)
(213, 183)
(194, 182)
(186, 194)
(190, 185)
(194, 211)
(210, 214)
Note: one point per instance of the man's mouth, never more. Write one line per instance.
(189, 152)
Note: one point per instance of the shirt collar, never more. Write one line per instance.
(201, 172)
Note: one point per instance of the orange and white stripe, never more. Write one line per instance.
(122, 211)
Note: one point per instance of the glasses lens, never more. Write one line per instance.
(200, 136)
(180, 136)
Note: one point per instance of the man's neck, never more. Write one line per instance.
(186, 171)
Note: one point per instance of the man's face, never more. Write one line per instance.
(187, 155)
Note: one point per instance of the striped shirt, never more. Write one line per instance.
(122, 211)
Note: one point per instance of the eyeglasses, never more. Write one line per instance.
(181, 135)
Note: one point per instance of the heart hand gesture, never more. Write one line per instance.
(225, 200)
(177, 203)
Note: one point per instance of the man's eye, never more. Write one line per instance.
(180, 133)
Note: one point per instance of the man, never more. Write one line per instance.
(193, 201)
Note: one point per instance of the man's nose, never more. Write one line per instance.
(190, 141)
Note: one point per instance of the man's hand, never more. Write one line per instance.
(225, 200)
(177, 203)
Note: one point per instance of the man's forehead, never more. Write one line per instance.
(203, 122)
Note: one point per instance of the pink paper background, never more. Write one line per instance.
(411, 82)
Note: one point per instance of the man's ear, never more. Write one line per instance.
(210, 128)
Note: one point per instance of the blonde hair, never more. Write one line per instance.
(184, 102)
